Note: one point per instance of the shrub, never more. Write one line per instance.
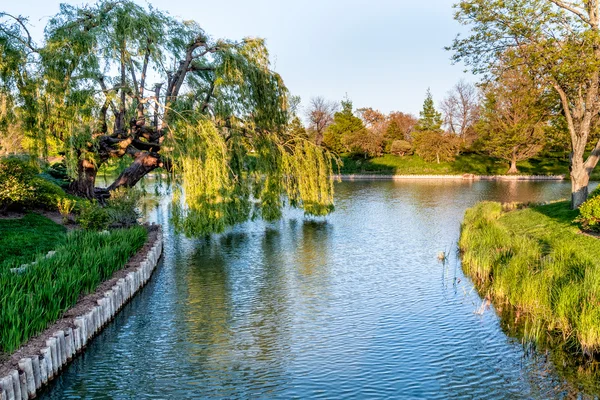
(23, 188)
(122, 207)
(92, 216)
(65, 207)
(589, 213)
(46, 194)
(401, 148)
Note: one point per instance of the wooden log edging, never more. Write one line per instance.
(37, 370)
(464, 177)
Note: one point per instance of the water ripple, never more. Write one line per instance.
(355, 306)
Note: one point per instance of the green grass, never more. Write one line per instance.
(21, 240)
(464, 164)
(31, 300)
(536, 261)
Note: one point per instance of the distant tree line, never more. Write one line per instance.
(509, 116)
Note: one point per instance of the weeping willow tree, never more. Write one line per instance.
(116, 80)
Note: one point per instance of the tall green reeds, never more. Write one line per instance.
(39, 295)
(536, 261)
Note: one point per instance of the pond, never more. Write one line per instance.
(356, 305)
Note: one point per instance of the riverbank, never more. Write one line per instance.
(465, 177)
(40, 359)
(475, 164)
(537, 263)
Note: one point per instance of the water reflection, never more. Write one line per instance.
(350, 306)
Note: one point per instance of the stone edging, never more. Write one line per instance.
(467, 177)
(36, 371)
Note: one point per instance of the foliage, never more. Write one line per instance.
(123, 207)
(589, 212)
(51, 286)
(23, 188)
(430, 119)
(16, 176)
(21, 239)
(467, 163)
(65, 207)
(557, 42)
(345, 124)
(365, 142)
(436, 146)
(514, 118)
(536, 261)
(92, 216)
(85, 88)
(401, 148)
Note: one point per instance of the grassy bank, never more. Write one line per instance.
(31, 300)
(538, 263)
(464, 164)
(22, 239)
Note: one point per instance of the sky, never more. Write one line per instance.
(382, 54)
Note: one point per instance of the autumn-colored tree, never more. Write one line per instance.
(400, 126)
(559, 43)
(514, 118)
(401, 148)
(436, 146)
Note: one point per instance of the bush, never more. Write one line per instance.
(92, 216)
(401, 148)
(122, 207)
(589, 213)
(16, 189)
(23, 188)
(46, 194)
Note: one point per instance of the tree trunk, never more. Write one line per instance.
(580, 178)
(143, 164)
(579, 191)
(319, 138)
(513, 165)
(86, 179)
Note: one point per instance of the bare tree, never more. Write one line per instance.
(320, 115)
(460, 109)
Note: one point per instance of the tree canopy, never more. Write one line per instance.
(559, 43)
(116, 80)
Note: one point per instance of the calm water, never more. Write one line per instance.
(354, 306)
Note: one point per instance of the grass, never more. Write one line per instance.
(537, 262)
(464, 164)
(31, 300)
(22, 239)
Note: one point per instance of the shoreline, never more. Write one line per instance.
(463, 177)
(41, 358)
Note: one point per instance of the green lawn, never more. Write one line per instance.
(464, 164)
(22, 240)
(537, 262)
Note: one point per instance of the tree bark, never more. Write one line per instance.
(143, 164)
(86, 179)
(513, 165)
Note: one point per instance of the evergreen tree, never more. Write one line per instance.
(345, 124)
(430, 119)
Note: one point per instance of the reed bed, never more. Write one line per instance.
(39, 295)
(537, 261)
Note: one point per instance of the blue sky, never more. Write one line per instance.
(381, 53)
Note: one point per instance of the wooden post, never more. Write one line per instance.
(35, 362)
(26, 367)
